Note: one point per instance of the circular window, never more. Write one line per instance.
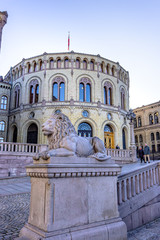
(109, 116)
(85, 113)
(58, 111)
(31, 115)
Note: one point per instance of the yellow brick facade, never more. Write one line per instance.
(147, 126)
(101, 72)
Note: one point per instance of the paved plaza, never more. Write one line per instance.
(14, 210)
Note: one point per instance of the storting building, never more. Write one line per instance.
(91, 90)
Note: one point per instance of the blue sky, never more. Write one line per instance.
(124, 31)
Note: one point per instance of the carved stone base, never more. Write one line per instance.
(106, 230)
(74, 198)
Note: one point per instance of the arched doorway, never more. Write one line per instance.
(124, 138)
(15, 134)
(85, 130)
(32, 133)
(108, 137)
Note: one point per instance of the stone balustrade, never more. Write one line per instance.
(119, 155)
(122, 155)
(138, 193)
(28, 148)
(131, 184)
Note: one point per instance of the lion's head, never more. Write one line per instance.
(56, 128)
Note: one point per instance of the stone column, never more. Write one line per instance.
(132, 142)
(74, 198)
(3, 21)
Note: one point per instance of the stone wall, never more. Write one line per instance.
(14, 164)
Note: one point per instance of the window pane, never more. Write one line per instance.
(4, 102)
(62, 92)
(55, 91)
(88, 93)
(37, 93)
(77, 63)
(31, 94)
(81, 92)
(109, 96)
(2, 126)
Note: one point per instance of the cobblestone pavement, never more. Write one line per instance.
(150, 231)
(14, 211)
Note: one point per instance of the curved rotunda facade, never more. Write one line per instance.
(92, 91)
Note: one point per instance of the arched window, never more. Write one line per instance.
(135, 123)
(2, 126)
(15, 134)
(55, 92)
(140, 138)
(58, 92)
(84, 64)
(34, 67)
(101, 68)
(77, 63)
(21, 71)
(29, 68)
(156, 118)
(88, 92)
(107, 128)
(4, 102)
(85, 90)
(16, 96)
(107, 68)
(34, 91)
(40, 65)
(136, 139)
(92, 65)
(66, 63)
(59, 63)
(122, 98)
(150, 119)
(124, 138)
(139, 122)
(62, 91)
(113, 71)
(51, 63)
(108, 93)
(152, 136)
(81, 92)
(157, 136)
(84, 130)
(32, 133)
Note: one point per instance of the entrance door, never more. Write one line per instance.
(124, 138)
(109, 140)
(32, 133)
(108, 137)
(15, 134)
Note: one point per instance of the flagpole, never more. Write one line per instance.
(68, 41)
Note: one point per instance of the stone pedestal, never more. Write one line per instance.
(74, 199)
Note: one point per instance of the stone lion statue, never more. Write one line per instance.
(64, 141)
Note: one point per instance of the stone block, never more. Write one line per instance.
(74, 200)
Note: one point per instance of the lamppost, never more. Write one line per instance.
(131, 116)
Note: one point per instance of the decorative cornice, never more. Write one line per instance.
(72, 174)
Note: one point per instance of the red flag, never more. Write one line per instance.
(68, 40)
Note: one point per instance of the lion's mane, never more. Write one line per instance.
(62, 128)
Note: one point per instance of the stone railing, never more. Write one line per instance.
(131, 184)
(119, 155)
(122, 155)
(27, 148)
